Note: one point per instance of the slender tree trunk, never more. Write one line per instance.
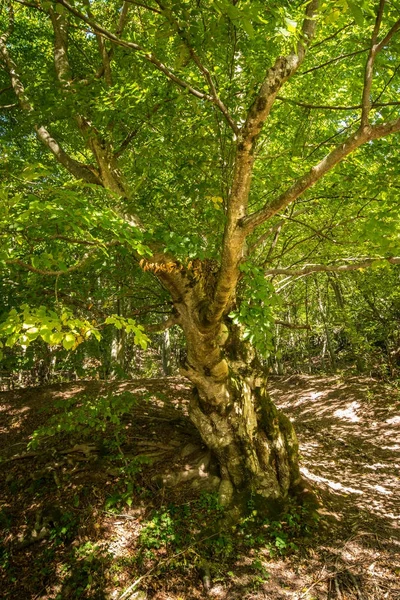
(166, 352)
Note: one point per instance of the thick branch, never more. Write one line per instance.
(61, 62)
(77, 169)
(355, 266)
(277, 75)
(361, 136)
(235, 234)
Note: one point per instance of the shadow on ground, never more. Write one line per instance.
(86, 514)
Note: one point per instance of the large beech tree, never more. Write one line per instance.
(194, 129)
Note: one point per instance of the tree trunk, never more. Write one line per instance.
(254, 443)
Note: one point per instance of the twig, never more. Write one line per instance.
(19, 457)
(337, 588)
(163, 562)
(321, 578)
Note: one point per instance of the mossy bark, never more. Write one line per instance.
(255, 443)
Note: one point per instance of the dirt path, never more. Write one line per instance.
(349, 433)
(92, 545)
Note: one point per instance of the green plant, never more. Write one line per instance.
(64, 530)
(262, 575)
(87, 414)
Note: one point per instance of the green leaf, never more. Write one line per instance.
(248, 27)
(69, 341)
(356, 12)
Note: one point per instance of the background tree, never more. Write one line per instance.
(184, 135)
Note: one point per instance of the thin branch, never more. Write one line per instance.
(333, 60)
(123, 18)
(196, 59)
(167, 324)
(263, 238)
(132, 134)
(149, 56)
(355, 266)
(292, 325)
(369, 67)
(70, 240)
(105, 58)
(75, 267)
(31, 5)
(389, 36)
(146, 6)
(332, 107)
(330, 37)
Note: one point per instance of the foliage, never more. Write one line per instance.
(91, 414)
(256, 312)
(198, 529)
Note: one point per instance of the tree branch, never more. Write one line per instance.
(333, 60)
(196, 59)
(277, 75)
(354, 141)
(263, 238)
(369, 67)
(105, 58)
(331, 107)
(132, 134)
(70, 240)
(149, 56)
(77, 169)
(292, 325)
(28, 267)
(61, 62)
(308, 269)
(167, 324)
(235, 234)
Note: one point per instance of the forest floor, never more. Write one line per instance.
(85, 511)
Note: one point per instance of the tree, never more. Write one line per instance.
(201, 121)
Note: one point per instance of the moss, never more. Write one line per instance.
(268, 413)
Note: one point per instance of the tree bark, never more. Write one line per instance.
(254, 443)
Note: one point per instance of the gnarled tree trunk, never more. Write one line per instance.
(254, 443)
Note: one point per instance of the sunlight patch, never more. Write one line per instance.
(332, 484)
(348, 413)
